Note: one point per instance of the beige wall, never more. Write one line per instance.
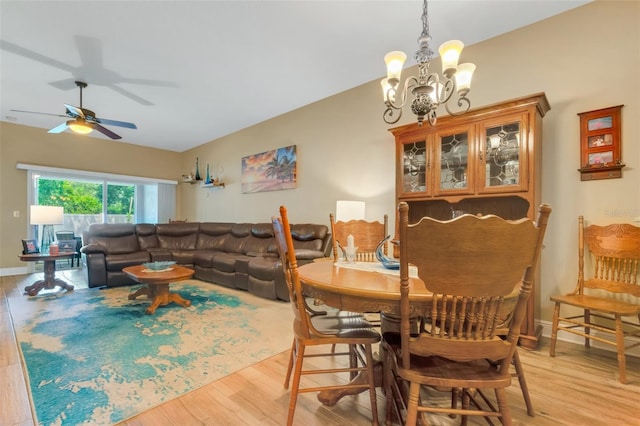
(30, 145)
(585, 59)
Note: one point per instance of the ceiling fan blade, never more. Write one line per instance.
(104, 131)
(74, 111)
(116, 123)
(61, 128)
(41, 113)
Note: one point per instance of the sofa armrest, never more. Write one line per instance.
(96, 269)
(93, 248)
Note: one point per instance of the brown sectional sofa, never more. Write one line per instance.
(236, 255)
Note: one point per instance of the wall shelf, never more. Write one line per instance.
(213, 185)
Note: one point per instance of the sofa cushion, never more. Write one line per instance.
(212, 236)
(261, 240)
(114, 238)
(304, 254)
(147, 238)
(204, 258)
(309, 236)
(115, 262)
(225, 262)
(264, 268)
(183, 257)
(177, 236)
(237, 239)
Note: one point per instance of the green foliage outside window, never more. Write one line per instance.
(85, 198)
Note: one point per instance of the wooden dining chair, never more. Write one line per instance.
(307, 334)
(470, 264)
(606, 292)
(366, 235)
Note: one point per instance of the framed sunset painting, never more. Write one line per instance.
(273, 170)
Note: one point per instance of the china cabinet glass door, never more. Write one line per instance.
(414, 167)
(504, 154)
(453, 168)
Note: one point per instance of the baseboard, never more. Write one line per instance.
(5, 272)
(579, 340)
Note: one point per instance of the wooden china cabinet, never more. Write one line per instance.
(487, 161)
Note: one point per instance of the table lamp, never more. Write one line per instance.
(47, 216)
(349, 210)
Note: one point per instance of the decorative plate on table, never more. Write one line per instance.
(159, 266)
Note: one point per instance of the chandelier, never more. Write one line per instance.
(429, 90)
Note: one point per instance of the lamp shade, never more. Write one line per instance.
(395, 61)
(46, 215)
(463, 77)
(349, 210)
(449, 54)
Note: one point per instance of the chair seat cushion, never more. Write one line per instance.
(602, 304)
(335, 323)
(352, 336)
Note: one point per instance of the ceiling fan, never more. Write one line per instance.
(84, 120)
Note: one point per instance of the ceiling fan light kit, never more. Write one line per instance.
(84, 121)
(79, 127)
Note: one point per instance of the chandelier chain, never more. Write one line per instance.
(424, 54)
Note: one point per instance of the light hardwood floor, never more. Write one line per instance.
(577, 387)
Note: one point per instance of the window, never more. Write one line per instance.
(89, 197)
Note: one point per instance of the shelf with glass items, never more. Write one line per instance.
(207, 182)
(213, 184)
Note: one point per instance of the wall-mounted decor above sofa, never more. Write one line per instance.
(236, 255)
(270, 171)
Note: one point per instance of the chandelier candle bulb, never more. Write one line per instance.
(395, 62)
(449, 54)
(387, 90)
(463, 77)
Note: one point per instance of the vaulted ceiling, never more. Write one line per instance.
(188, 72)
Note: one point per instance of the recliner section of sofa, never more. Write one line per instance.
(235, 255)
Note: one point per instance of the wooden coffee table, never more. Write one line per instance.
(157, 285)
(50, 280)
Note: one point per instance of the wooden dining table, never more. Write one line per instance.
(361, 287)
(364, 287)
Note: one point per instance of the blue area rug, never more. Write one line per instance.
(94, 357)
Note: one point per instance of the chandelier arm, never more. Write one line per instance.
(388, 114)
(463, 104)
(448, 88)
(432, 118)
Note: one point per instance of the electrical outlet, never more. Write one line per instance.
(16, 213)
